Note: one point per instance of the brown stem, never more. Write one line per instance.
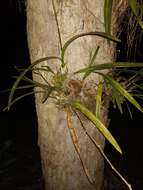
(103, 154)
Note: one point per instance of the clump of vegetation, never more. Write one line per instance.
(71, 93)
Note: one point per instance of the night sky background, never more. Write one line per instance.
(20, 167)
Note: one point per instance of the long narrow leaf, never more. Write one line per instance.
(138, 86)
(16, 83)
(104, 66)
(92, 60)
(123, 92)
(19, 98)
(94, 55)
(133, 5)
(99, 125)
(108, 15)
(100, 34)
(98, 100)
(118, 99)
(37, 84)
(19, 88)
(47, 94)
(102, 153)
(44, 68)
(136, 10)
(129, 110)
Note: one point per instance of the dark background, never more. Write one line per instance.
(20, 167)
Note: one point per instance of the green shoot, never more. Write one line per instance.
(97, 123)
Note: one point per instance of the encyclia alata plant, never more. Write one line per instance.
(67, 90)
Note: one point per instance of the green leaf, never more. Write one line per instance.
(99, 125)
(133, 5)
(138, 86)
(37, 84)
(136, 9)
(108, 15)
(117, 99)
(17, 99)
(100, 34)
(123, 92)
(94, 56)
(92, 60)
(129, 110)
(44, 68)
(47, 93)
(19, 88)
(114, 65)
(98, 100)
(16, 83)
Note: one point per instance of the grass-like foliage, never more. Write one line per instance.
(64, 90)
(137, 10)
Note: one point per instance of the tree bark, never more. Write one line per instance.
(62, 168)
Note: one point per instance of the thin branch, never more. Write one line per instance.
(76, 144)
(102, 153)
(57, 23)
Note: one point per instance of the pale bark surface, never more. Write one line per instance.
(61, 166)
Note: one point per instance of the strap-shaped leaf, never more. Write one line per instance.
(136, 10)
(44, 68)
(16, 83)
(47, 93)
(98, 100)
(19, 98)
(96, 33)
(117, 99)
(114, 65)
(92, 60)
(38, 84)
(108, 15)
(98, 124)
(123, 92)
(94, 56)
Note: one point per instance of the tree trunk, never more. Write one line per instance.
(61, 165)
